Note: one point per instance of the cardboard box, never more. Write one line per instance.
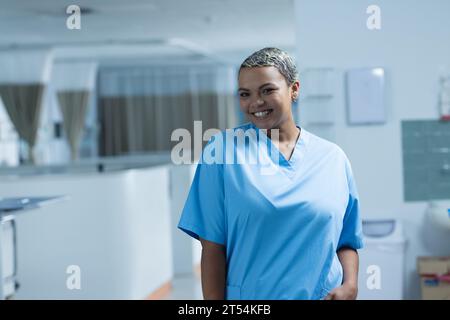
(433, 289)
(434, 277)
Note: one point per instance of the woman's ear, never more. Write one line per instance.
(295, 90)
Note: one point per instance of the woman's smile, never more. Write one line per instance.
(263, 114)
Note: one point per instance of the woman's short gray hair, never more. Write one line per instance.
(273, 57)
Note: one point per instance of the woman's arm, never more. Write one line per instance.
(213, 270)
(349, 288)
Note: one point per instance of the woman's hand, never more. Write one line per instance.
(344, 292)
(349, 289)
(213, 270)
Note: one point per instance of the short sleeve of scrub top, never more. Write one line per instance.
(351, 230)
(203, 214)
(281, 230)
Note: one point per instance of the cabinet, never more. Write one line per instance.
(316, 111)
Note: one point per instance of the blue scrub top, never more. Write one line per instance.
(281, 230)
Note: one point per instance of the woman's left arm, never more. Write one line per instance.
(349, 288)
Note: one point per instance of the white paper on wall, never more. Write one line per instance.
(365, 96)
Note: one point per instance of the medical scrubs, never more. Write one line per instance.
(281, 230)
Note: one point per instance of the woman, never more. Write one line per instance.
(291, 234)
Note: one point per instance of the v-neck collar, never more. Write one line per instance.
(297, 154)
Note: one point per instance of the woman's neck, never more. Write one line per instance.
(286, 133)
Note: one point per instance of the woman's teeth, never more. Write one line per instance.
(261, 114)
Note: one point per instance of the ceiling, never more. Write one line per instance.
(219, 29)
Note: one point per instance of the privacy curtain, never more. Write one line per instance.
(23, 79)
(139, 108)
(74, 83)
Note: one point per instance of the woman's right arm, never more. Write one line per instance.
(213, 270)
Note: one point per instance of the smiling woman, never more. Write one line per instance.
(288, 233)
(267, 86)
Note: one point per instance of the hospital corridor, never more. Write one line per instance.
(224, 150)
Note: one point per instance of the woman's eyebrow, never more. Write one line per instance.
(265, 84)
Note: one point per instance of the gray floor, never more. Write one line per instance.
(186, 287)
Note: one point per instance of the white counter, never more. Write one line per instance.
(115, 226)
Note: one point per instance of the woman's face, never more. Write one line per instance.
(265, 97)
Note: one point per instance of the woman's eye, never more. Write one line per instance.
(243, 94)
(267, 91)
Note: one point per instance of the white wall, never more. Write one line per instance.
(181, 179)
(412, 45)
(187, 251)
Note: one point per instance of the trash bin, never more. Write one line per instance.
(381, 268)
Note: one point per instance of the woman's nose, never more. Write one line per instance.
(258, 102)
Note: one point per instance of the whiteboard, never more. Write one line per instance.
(365, 96)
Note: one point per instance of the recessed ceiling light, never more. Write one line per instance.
(62, 12)
(86, 10)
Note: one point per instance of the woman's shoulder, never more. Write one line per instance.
(323, 146)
